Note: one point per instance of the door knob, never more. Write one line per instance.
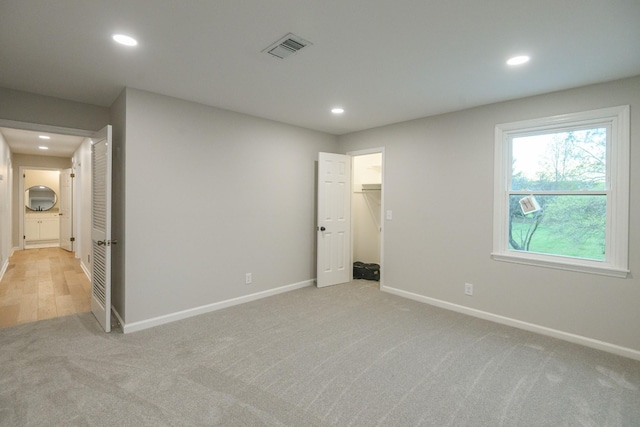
(322, 229)
(107, 242)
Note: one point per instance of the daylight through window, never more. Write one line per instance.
(561, 196)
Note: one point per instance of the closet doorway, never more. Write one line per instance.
(366, 213)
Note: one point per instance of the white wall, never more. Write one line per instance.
(212, 195)
(118, 119)
(260, 217)
(45, 110)
(438, 166)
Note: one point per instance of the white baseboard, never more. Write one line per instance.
(42, 245)
(168, 318)
(86, 270)
(114, 311)
(5, 264)
(543, 330)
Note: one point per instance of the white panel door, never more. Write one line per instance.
(101, 227)
(334, 219)
(66, 209)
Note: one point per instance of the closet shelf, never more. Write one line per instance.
(371, 187)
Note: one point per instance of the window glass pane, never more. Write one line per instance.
(567, 225)
(568, 160)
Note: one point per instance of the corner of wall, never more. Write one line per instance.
(118, 120)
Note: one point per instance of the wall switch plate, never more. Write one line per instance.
(389, 215)
(248, 279)
(468, 289)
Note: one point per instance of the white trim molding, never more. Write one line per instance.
(38, 127)
(531, 327)
(86, 270)
(378, 150)
(3, 270)
(120, 321)
(4, 267)
(184, 314)
(616, 261)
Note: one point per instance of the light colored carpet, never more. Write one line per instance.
(344, 355)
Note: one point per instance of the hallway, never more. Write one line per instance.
(42, 284)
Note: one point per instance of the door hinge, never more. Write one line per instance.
(73, 239)
(73, 175)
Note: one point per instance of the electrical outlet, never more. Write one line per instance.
(248, 279)
(468, 289)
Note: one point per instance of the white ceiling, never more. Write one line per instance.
(382, 61)
(27, 142)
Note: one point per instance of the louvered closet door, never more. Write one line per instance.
(101, 227)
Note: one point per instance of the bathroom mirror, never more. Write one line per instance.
(40, 198)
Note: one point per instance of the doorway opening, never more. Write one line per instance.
(44, 275)
(366, 214)
(41, 212)
(336, 193)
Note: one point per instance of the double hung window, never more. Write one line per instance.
(561, 192)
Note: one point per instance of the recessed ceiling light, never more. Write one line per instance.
(518, 60)
(125, 40)
(42, 147)
(337, 110)
(44, 137)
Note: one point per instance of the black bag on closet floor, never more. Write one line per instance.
(365, 271)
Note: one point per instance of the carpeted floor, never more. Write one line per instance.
(347, 355)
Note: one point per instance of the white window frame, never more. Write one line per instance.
(616, 261)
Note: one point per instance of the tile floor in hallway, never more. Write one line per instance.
(41, 284)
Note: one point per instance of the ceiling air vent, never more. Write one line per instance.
(287, 46)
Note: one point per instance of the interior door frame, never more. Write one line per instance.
(70, 215)
(36, 127)
(21, 191)
(357, 153)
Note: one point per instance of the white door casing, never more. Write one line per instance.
(101, 161)
(334, 219)
(66, 209)
(354, 183)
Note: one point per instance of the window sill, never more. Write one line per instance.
(573, 265)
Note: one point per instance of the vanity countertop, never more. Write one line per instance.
(47, 214)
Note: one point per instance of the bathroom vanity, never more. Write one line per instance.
(41, 228)
(41, 218)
